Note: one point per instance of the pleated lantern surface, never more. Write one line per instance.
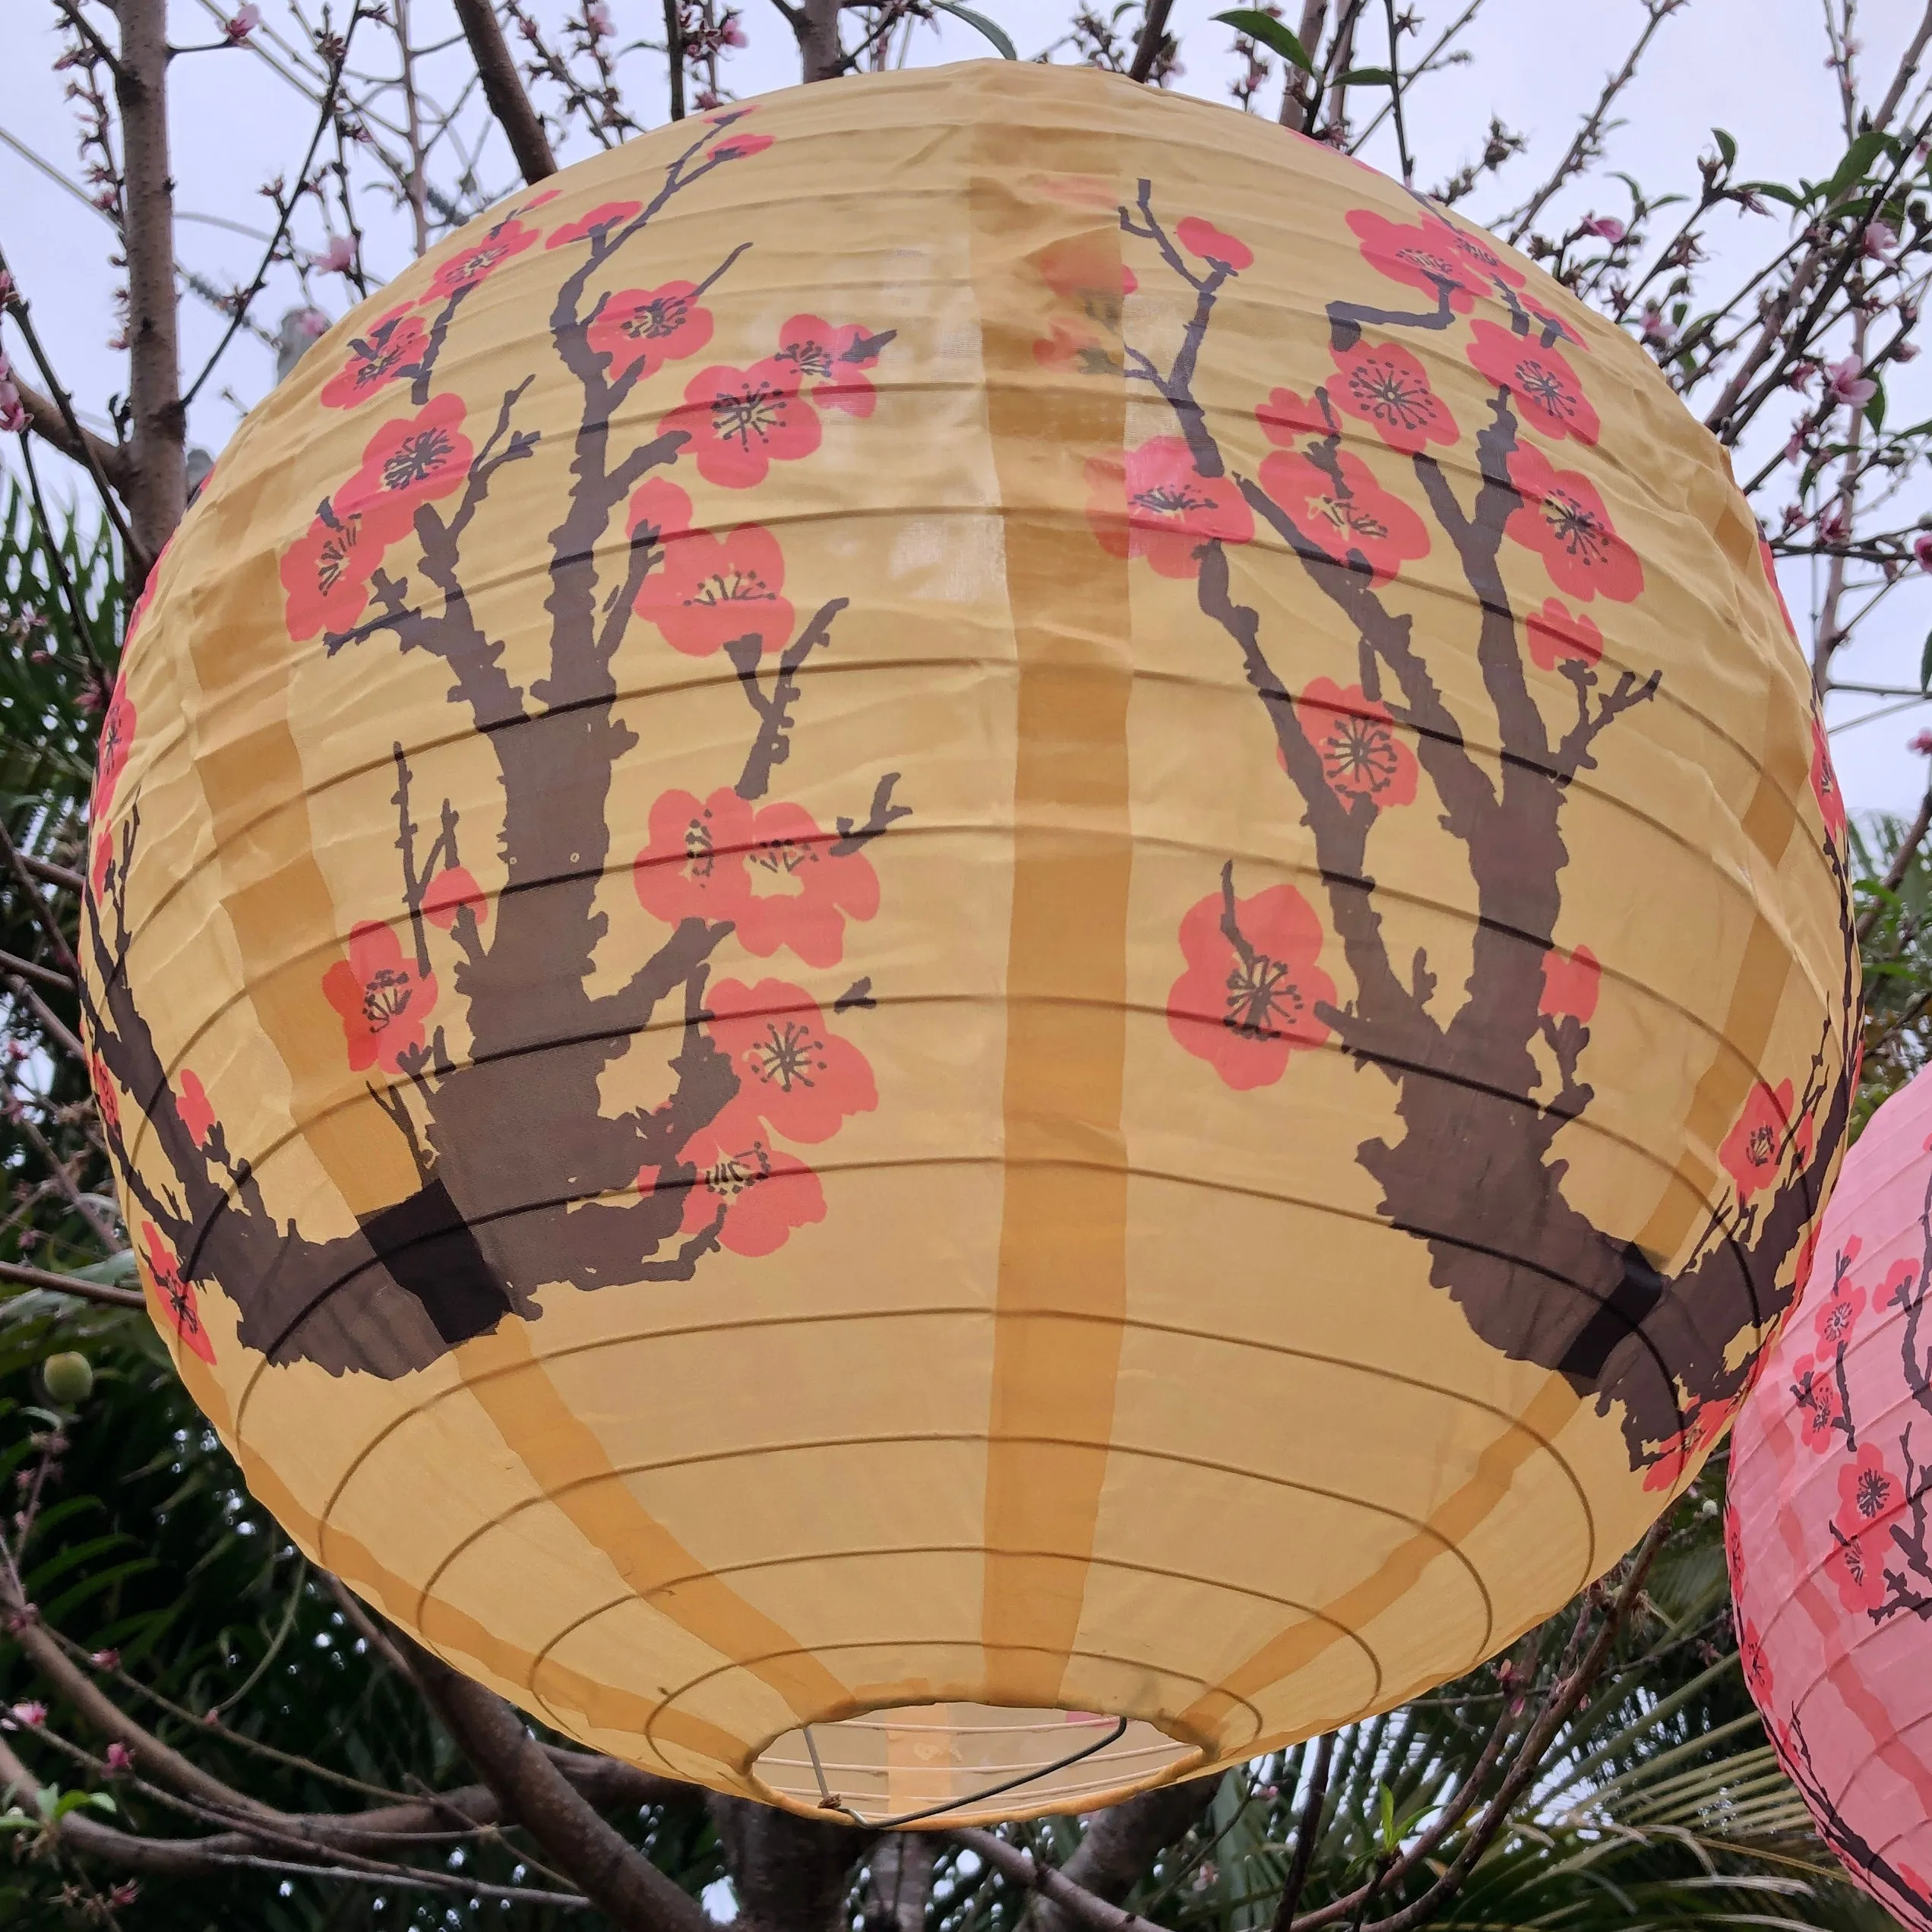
(1831, 1567)
(970, 905)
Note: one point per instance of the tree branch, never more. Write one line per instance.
(504, 91)
(1153, 31)
(118, 1297)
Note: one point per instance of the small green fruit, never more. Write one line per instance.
(70, 1379)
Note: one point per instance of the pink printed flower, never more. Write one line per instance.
(1475, 250)
(197, 1112)
(1544, 385)
(107, 1095)
(1248, 999)
(1703, 1424)
(1152, 502)
(741, 422)
(799, 1077)
(1757, 1665)
(606, 214)
(1356, 518)
(1856, 1565)
(1087, 270)
(709, 591)
(1213, 244)
(392, 347)
(754, 1194)
(1571, 983)
(1754, 1151)
(1556, 636)
(1362, 757)
(116, 740)
(409, 460)
(176, 1305)
(1833, 1322)
(1385, 385)
(1428, 254)
(643, 329)
(741, 147)
(326, 575)
(1286, 418)
(382, 996)
(1868, 1492)
(448, 893)
(1815, 1391)
(1901, 1278)
(832, 361)
(693, 867)
(1562, 518)
(1824, 784)
(475, 264)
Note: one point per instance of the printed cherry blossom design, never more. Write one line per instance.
(1733, 1550)
(1547, 394)
(1571, 984)
(1814, 1388)
(1355, 518)
(643, 329)
(1483, 257)
(107, 1095)
(1856, 1564)
(382, 996)
(1286, 418)
(176, 1302)
(832, 363)
(197, 1111)
(449, 892)
(709, 590)
(1362, 756)
(1756, 1666)
(1704, 1423)
(741, 147)
(326, 576)
(117, 739)
(802, 888)
(1549, 324)
(1213, 245)
(606, 214)
(693, 867)
(1770, 564)
(761, 1192)
(1384, 385)
(1824, 784)
(1087, 269)
(1428, 254)
(412, 460)
(1833, 1322)
(1754, 1151)
(1563, 519)
(391, 348)
(472, 266)
(1867, 1491)
(1152, 502)
(741, 422)
(1556, 636)
(800, 1078)
(1250, 997)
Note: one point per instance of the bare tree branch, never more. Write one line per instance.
(504, 91)
(27, 1277)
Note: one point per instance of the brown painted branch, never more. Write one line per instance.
(1902, 860)
(617, 1877)
(27, 1277)
(504, 91)
(1050, 1883)
(1153, 31)
(157, 473)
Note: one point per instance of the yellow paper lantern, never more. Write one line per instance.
(971, 921)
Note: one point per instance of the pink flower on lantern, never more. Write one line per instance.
(1547, 392)
(325, 575)
(755, 1194)
(1571, 984)
(389, 348)
(1427, 254)
(606, 214)
(1750, 1655)
(382, 998)
(1362, 755)
(1754, 1151)
(409, 461)
(1835, 1321)
(1286, 418)
(741, 147)
(1213, 244)
(107, 1095)
(741, 422)
(832, 361)
(1563, 519)
(1855, 1563)
(1248, 998)
(449, 892)
(473, 265)
(1824, 784)
(116, 740)
(801, 1079)
(1346, 519)
(197, 1112)
(640, 329)
(1814, 1388)
(176, 1305)
(1385, 386)
(1555, 635)
(710, 591)
(1152, 502)
(1868, 1493)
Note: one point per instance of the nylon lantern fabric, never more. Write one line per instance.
(1831, 1572)
(969, 904)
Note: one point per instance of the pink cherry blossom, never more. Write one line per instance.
(242, 23)
(1606, 227)
(338, 257)
(1921, 742)
(1846, 382)
(1922, 550)
(1881, 238)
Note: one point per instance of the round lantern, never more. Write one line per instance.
(1830, 1568)
(965, 941)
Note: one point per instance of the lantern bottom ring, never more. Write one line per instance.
(902, 1764)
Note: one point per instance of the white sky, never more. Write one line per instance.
(1754, 67)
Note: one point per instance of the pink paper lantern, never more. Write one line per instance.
(1828, 1534)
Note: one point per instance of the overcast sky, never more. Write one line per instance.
(1754, 67)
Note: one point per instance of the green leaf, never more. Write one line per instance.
(1366, 77)
(1772, 191)
(1269, 32)
(1390, 1837)
(991, 29)
(1858, 158)
(1925, 665)
(1727, 145)
(1875, 409)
